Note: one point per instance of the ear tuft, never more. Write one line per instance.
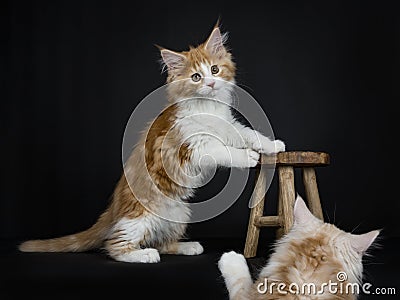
(361, 242)
(172, 60)
(216, 40)
(302, 214)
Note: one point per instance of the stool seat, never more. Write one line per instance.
(297, 159)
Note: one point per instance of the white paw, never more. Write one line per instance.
(279, 146)
(148, 255)
(272, 147)
(253, 155)
(232, 263)
(190, 248)
(249, 159)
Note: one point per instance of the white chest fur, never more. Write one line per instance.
(201, 119)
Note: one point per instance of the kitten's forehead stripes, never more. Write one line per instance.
(197, 57)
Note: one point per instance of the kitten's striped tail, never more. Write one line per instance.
(82, 241)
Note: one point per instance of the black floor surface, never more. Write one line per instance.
(92, 275)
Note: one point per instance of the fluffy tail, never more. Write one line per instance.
(237, 277)
(82, 241)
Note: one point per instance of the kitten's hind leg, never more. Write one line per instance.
(184, 248)
(147, 255)
(128, 251)
(125, 243)
(236, 273)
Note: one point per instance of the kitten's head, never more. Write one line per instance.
(330, 243)
(204, 71)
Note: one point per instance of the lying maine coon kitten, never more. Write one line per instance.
(312, 252)
(163, 169)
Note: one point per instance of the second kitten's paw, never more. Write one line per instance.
(231, 263)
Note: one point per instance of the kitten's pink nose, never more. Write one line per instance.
(211, 84)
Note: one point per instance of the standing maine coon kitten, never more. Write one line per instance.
(312, 252)
(171, 160)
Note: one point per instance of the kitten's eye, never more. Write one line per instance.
(196, 77)
(214, 69)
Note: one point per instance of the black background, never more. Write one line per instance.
(326, 74)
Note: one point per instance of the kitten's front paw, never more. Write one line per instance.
(243, 158)
(279, 146)
(231, 263)
(250, 159)
(272, 147)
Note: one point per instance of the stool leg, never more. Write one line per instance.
(287, 194)
(311, 188)
(279, 231)
(253, 231)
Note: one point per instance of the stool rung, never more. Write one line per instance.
(268, 221)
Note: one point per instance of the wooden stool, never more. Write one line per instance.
(285, 163)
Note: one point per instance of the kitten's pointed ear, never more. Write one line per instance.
(302, 214)
(172, 60)
(361, 242)
(216, 40)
